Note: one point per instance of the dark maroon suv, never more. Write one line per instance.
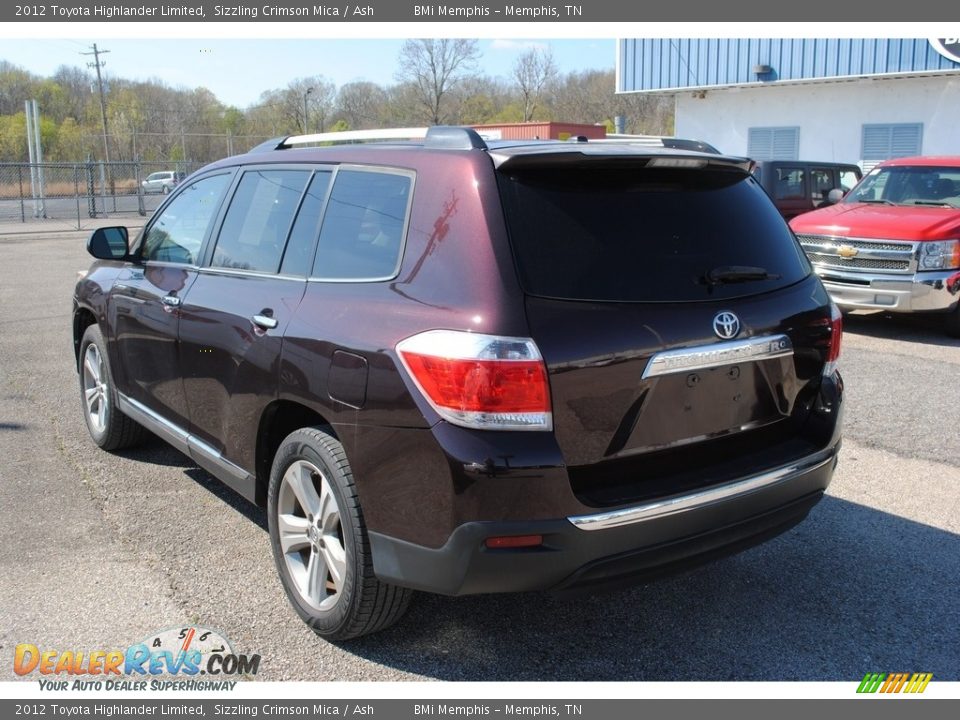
(464, 367)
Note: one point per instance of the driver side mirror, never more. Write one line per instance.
(835, 196)
(108, 243)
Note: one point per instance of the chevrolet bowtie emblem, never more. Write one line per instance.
(846, 251)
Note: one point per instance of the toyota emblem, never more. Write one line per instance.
(726, 325)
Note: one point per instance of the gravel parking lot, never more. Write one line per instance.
(100, 550)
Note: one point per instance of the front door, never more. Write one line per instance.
(148, 295)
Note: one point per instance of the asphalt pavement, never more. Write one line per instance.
(101, 550)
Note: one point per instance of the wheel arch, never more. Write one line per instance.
(279, 419)
(83, 317)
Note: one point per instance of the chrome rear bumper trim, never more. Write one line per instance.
(702, 498)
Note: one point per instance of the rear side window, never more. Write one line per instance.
(363, 226)
(639, 235)
(254, 231)
(299, 254)
(789, 185)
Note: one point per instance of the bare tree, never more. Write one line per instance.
(360, 104)
(533, 71)
(320, 101)
(434, 68)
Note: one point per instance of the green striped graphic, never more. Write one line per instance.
(895, 682)
(871, 682)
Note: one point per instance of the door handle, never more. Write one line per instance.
(265, 322)
(170, 300)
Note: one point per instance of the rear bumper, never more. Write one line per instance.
(923, 292)
(624, 546)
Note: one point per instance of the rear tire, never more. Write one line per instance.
(320, 543)
(108, 426)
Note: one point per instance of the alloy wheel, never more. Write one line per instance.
(95, 388)
(311, 535)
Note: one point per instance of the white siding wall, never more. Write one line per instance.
(830, 116)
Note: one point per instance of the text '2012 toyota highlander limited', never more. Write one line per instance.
(468, 368)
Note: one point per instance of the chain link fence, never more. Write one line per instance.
(77, 192)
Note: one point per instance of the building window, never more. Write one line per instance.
(774, 143)
(882, 142)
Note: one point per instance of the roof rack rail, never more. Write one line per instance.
(440, 136)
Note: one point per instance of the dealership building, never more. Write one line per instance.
(844, 100)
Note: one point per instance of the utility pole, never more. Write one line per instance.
(97, 64)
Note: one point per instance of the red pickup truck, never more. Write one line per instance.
(893, 243)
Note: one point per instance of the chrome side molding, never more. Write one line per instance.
(207, 457)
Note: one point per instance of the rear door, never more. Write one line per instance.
(239, 307)
(790, 189)
(650, 352)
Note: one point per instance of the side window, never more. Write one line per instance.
(821, 183)
(363, 226)
(848, 178)
(789, 185)
(255, 228)
(306, 228)
(176, 235)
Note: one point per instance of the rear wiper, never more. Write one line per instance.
(737, 274)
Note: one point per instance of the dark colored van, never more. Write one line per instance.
(797, 186)
(467, 367)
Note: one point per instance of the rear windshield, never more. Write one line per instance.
(645, 235)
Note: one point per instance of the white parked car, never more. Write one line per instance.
(161, 182)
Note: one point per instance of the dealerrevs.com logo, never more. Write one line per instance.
(197, 658)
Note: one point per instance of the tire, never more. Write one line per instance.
(951, 323)
(109, 428)
(324, 560)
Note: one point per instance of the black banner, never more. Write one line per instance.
(431, 709)
(525, 11)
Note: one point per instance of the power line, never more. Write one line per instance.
(97, 64)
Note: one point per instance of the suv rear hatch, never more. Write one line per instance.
(627, 268)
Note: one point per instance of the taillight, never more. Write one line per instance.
(480, 381)
(836, 334)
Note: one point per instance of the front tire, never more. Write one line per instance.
(320, 543)
(951, 323)
(108, 426)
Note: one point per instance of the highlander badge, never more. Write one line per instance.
(726, 325)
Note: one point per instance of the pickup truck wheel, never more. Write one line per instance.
(108, 426)
(320, 543)
(952, 322)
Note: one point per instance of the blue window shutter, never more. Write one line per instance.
(774, 143)
(882, 142)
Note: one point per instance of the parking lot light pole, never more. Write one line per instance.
(306, 117)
